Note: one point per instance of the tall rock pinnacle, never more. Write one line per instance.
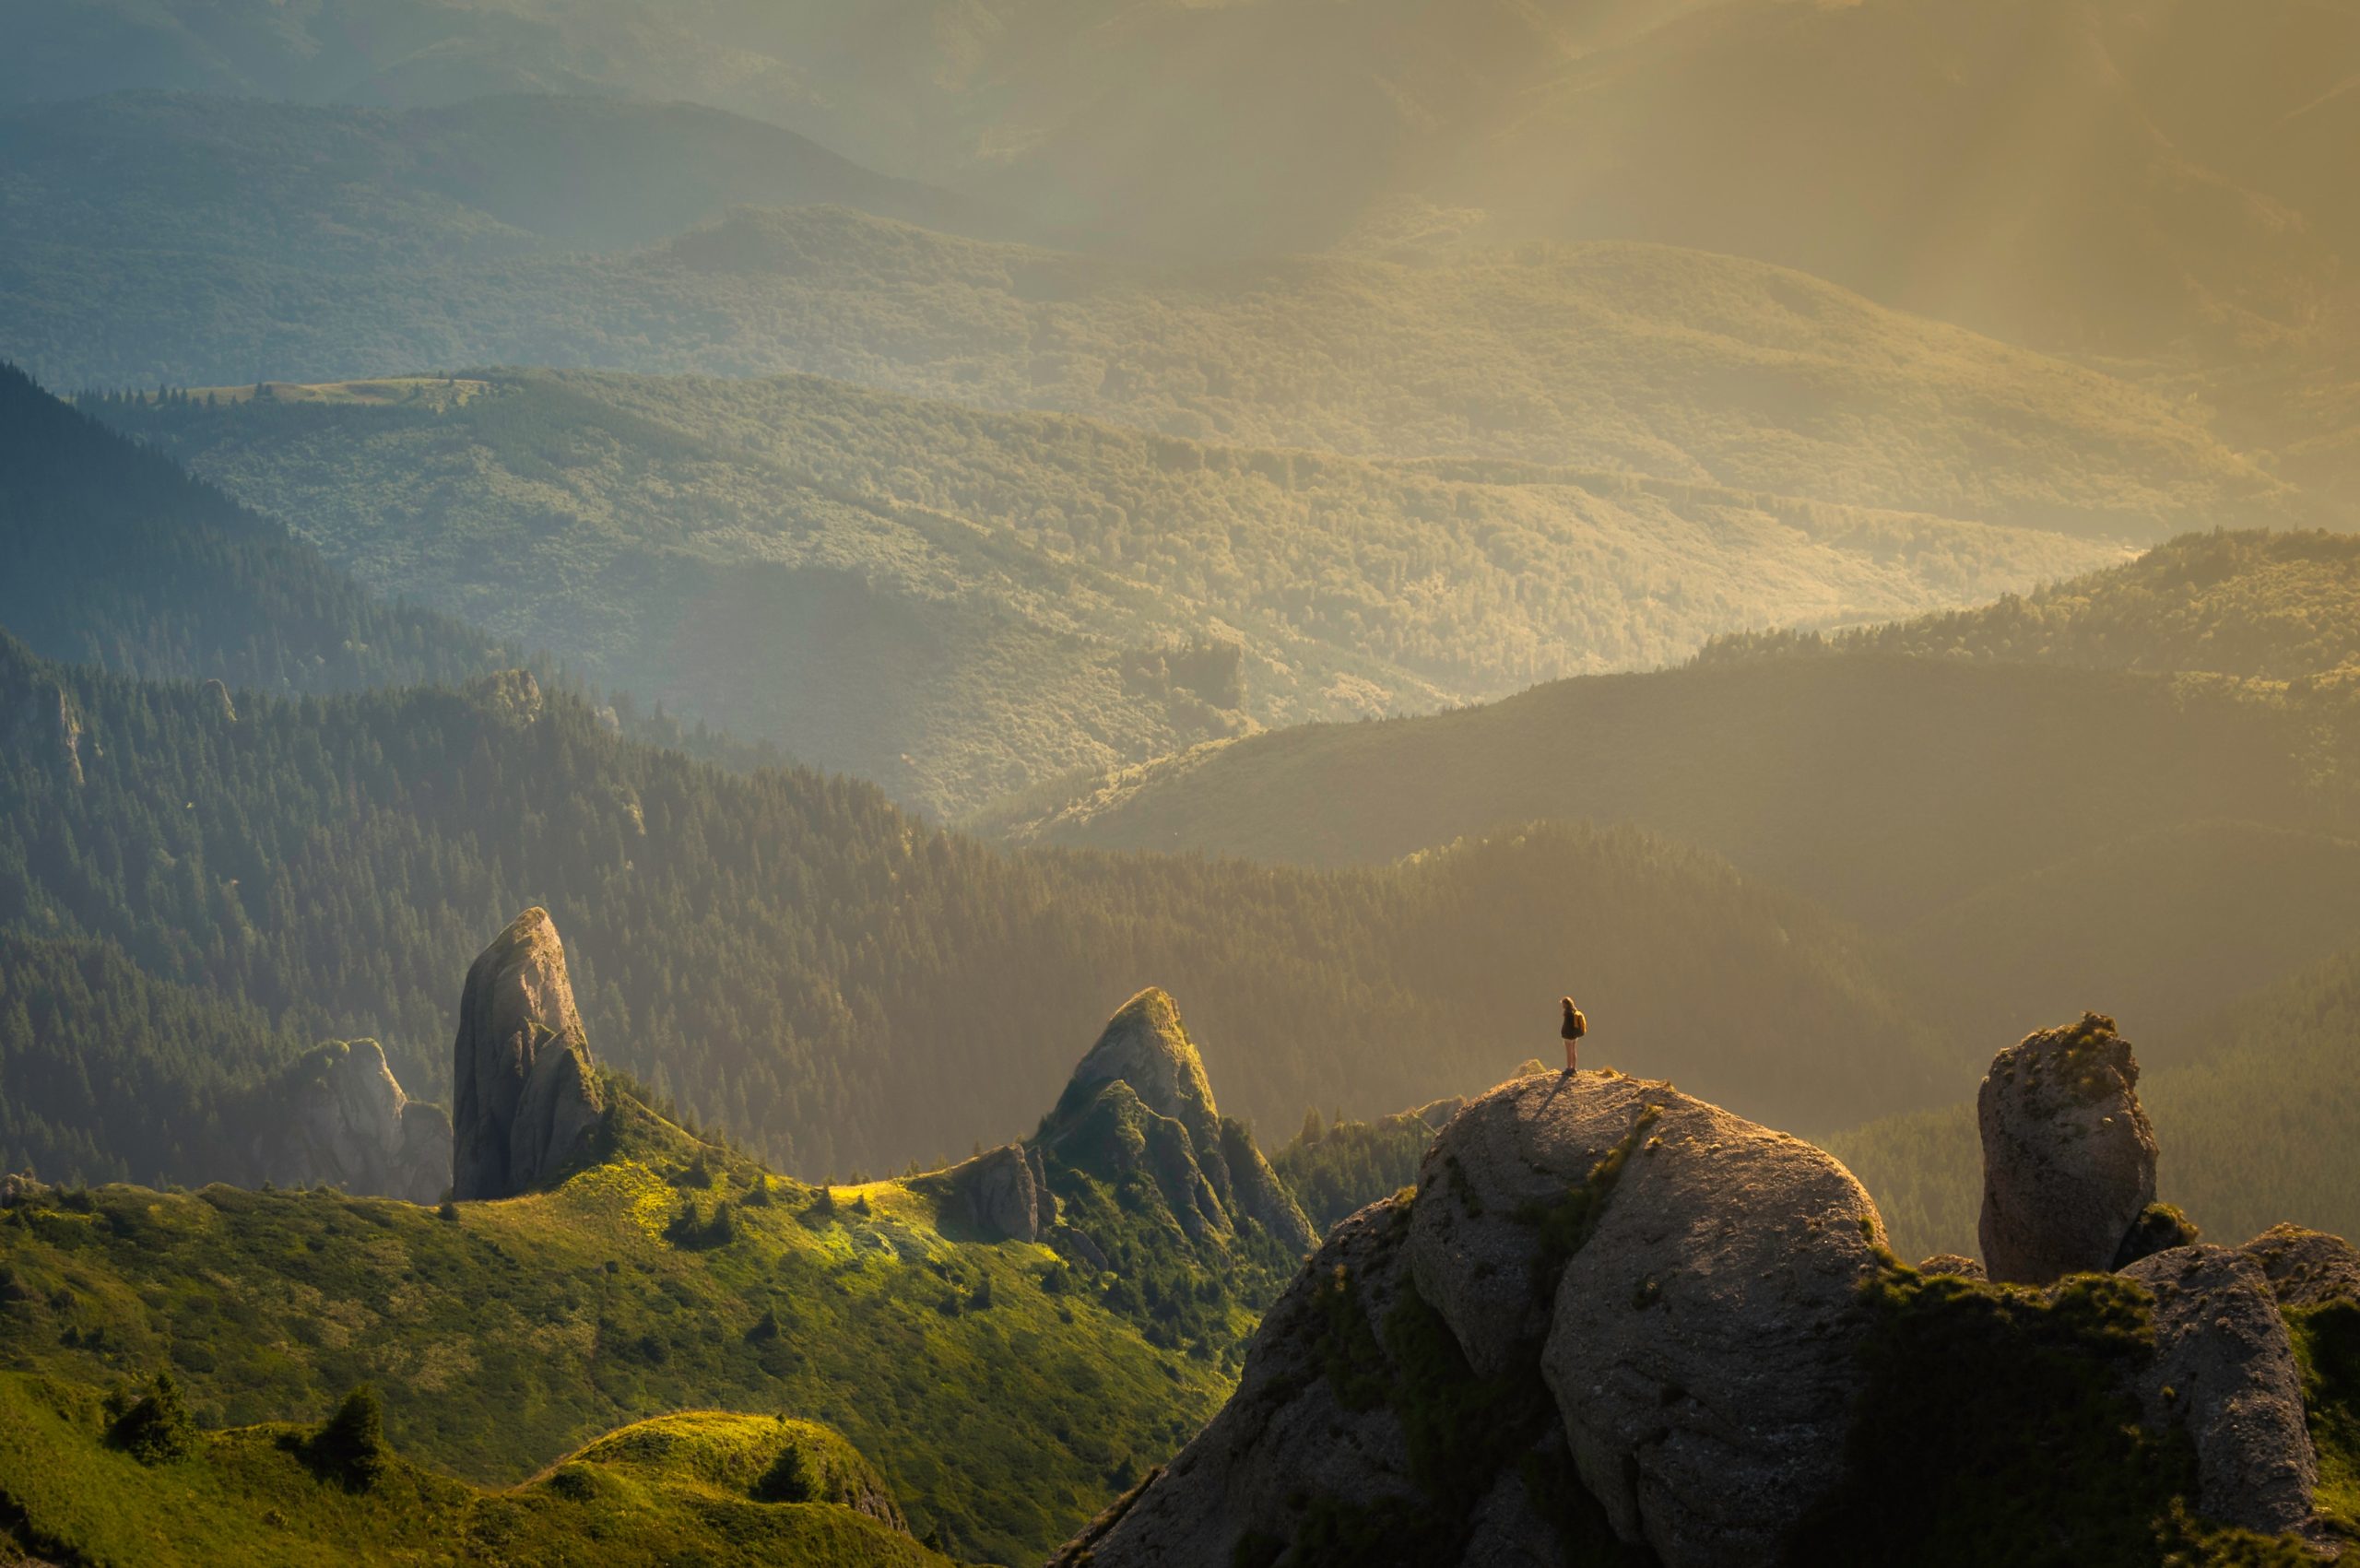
(2069, 1159)
(525, 1099)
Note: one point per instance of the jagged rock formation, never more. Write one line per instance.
(1002, 1194)
(1140, 1100)
(1686, 1282)
(338, 1117)
(2068, 1158)
(525, 1098)
(1608, 1310)
(2307, 1268)
(2224, 1371)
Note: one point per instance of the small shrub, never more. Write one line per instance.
(155, 1428)
(351, 1449)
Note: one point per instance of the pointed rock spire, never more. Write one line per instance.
(526, 1098)
(1145, 1045)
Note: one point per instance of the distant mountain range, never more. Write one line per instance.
(2101, 175)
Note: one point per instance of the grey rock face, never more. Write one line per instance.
(1520, 1146)
(345, 1122)
(1509, 1529)
(1700, 1352)
(525, 1100)
(1145, 1046)
(997, 1194)
(217, 697)
(43, 723)
(2307, 1268)
(2224, 1371)
(1284, 1436)
(2068, 1158)
(1703, 1347)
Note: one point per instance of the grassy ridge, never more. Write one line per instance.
(247, 1492)
(1002, 1404)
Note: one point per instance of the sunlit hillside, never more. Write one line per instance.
(973, 605)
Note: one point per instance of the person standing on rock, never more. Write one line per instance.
(1571, 1032)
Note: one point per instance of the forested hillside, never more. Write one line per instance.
(1631, 358)
(2275, 605)
(973, 604)
(1969, 811)
(111, 555)
(797, 962)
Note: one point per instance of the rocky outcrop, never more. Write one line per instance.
(525, 1098)
(38, 720)
(1686, 1284)
(1140, 1100)
(2307, 1268)
(216, 694)
(1292, 1431)
(1609, 1311)
(339, 1118)
(1704, 1349)
(997, 1196)
(2224, 1371)
(2068, 1158)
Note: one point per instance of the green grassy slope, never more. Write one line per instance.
(647, 1494)
(1003, 1403)
(972, 603)
(791, 956)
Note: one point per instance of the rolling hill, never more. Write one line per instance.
(973, 603)
(2133, 792)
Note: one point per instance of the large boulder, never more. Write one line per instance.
(1290, 1434)
(2307, 1268)
(1683, 1286)
(525, 1096)
(339, 1117)
(2068, 1158)
(1704, 1348)
(2224, 1371)
(1473, 1244)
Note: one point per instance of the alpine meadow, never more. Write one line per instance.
(1570, 783)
